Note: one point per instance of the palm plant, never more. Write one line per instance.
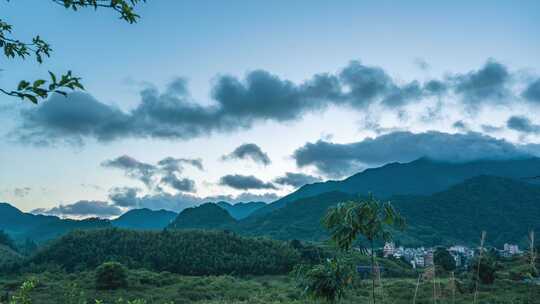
(324, 281)
(369, 218)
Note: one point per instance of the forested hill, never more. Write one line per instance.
(420, 177)
(20, 225)
(187, 252)
(145, 219)
(505, 208)
(207, 215)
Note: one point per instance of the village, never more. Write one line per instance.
(422, 257)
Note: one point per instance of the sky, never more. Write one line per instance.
(248, 100)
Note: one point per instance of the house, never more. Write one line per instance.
(389, 248)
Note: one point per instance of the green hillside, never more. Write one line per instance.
(183, 252)
(505, 208)
(144, 219)
(419, 177)
(207, 215)
(8, 258)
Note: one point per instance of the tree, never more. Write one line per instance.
(487, 268)
(111, 275)
(324, 281)
(443, 259)
(39, 49)
(370, 218)
(6, 240)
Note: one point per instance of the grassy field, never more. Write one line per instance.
(151, 287)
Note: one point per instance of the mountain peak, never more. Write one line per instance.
(203, 216)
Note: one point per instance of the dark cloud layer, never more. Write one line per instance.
(124, 196)
(83, 209)
(244, 182)
(532, 93)
(179, 184)
(296, 179)
(488, 83)
(338, 160)
(249, 151)
(239, 104)
(522, 124)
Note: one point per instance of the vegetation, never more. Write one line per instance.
(111, 275)
(487, 267)
(56, 286)
(453, 216)
(6, 240)
(39, 49)
(207, 215)
(370, 218)
(443, 259)
(183, 252)
(326, 281)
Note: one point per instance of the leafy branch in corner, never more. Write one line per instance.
(40, 49)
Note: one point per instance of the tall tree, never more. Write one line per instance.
(39, 49)
(368, 218)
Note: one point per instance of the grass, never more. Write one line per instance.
(61, 287)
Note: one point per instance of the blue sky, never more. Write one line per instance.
(202, 41)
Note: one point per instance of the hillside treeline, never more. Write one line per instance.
(187, 252)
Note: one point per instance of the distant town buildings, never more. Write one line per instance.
(389, 249)
(423, 257)
(510, 250)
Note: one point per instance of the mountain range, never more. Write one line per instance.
(420, 177)
(442, 202)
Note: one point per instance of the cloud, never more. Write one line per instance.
(166, 173)
(296, 179)
(532, 93)
(460, 125)
(171, 164)
(421, 63)
(249, 151)
(83, 209)
(133, 168)
(22, 191)
(180, 201)
(244, 182)
(490, 83)
(522, 124)
(72, 119)
(180, 184)
(124, 196)
(337, 160)
(240, 103)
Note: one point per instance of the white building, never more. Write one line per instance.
(389, 248)
(511, 249)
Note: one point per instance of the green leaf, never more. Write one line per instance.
(38, 83)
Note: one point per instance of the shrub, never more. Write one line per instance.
(111, 275)
(488, 269)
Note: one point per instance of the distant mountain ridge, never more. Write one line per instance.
(505, 208)
(40, 228)
(205, 216)
(144, 219)
(420, 177)
(241, 210)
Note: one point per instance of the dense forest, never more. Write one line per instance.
(182, 252)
